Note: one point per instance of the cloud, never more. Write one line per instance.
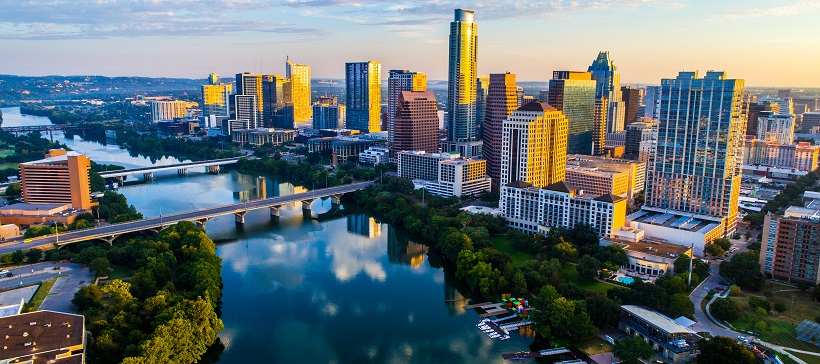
(782, 10)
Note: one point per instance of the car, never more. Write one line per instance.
(10, 274)
(4, 272)
(720, 288)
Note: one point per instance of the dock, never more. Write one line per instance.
(503, 334)
(541, 354)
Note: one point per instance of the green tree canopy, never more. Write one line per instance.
(631, 348)
(723, 349)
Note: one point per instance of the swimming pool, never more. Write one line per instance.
(626, 280)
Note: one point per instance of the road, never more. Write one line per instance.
(184, 165)
(47, 242)
(61, 294)
(35, 273)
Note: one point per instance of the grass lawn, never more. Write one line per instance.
(569, 273)
(518, 257)
(40, 295)
(772, 329)
(120, 273)
(595, 346)
(805, 357)
(9, 165)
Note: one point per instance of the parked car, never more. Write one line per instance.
(10, 274)
(720, 288)
(4, 272)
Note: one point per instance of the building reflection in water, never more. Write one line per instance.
(256, 188)
(404, 251)
(454, 300)
(363, 225)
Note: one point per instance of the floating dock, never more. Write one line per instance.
(540, 354)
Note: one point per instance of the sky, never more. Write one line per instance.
(765, 42)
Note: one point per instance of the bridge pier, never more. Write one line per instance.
(109, 239)
(213, 169)
(336, 200)
(274, 211)
(202, 222)
(145, 176)
(306, 204)
(240, 217)
(182, 172)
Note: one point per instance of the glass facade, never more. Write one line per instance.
(461, 92)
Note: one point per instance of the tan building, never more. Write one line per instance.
(647, 257)
(501, 102)
(598, 182)
(257, 137)
(61, 178)
(534, 145)
(791, 244)
(26, 214)
(635, 170)
(444, 174)
(43, 337)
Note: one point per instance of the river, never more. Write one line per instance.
(332, 287)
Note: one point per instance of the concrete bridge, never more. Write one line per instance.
(211, 166)
(111, 232)
(30, 128)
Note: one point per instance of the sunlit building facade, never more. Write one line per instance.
(501, 102)
(573, 93)
(534, 145)
(364, 94)
(461, 86)
(398, 81)
(216, 97)
(299, 76)
(608, 85)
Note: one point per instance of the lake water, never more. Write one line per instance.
(329, 287)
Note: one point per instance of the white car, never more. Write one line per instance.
(4, 272)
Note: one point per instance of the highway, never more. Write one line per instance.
(201, 215)
(173, 167)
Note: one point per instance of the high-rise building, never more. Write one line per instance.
(168, 110)
(250, 84)
(299, 76)
(501, 102)
(810, 103)
(599, 134)
(364, 95)
(461, 85)
(416, 122)
(398, 81)
(482, 87)
(61, 178)
(277, 102)
(695, 174)
(534, 145)
(573, 93)
(776, 128)
(791, 245)
(608, 84)
(216, 97)
(652, 102)
(632, 100)
(246, 116)
(755, 108)
(328, 114)
(637, 133)
(811, 123)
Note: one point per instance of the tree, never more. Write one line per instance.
(18, 256)
(725, 309)
(681, 305)
(722, 349)
(744, 270)
(100, 267)
(519, 283)
(34, 255)
(780, 307)
(87, 297)
(454, 243)
(714, 250)
(724, 243)
(14, 191)
(631, 348)
(588, 267)
(564, 251)
(603, 311)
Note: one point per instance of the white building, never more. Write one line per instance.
(778, 128)
(374, 156)
(444, 174)
(168, 110)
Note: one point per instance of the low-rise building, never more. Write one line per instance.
(444, 174)
(673, 341)
(374, 155)
(635, 170)
(43, 337)
(27, 214)
(648, 257)
(537, 210)
(801, 156)
(257, 137)
(677, 228)
(343, 148)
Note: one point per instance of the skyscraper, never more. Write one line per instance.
(482, 84)
(697, 165)
(416, 123)
(364, 94)
(250, 84)
(501, 102)
(461, 86)
(777, 128)
(398, 81)
(608, 79)
(632, 101)
(534, 145)
(652, 102)
(299, 75)
(277, 102)
(216, 97)
(328, 114)
(755, 108)
(574, 93)
(599, 126)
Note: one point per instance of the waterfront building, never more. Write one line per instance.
(791, 245)
(216, 97)
(698, 179)
(608, 85)
(61, 178)
(416, 122)
(398, 81)
(673, 341)
(168, 110)
(299, 76)
(43, 337)
(277, 102)
(461, 86)
(632, 100)
(363, 86)
(342, 148)
(778, 128)
(537, 210)
(328, 113)
(257, 137)
(444, 174)
(573, 93)
(534, 145)
(501, 102)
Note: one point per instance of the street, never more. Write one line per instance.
(59, 298)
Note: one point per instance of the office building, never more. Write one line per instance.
(777, 128)
(573, 93)
(632, 100)
(342, 148)
(364, 95)
(559, 205)
(43, 337)
(482, 87)
(374, 155)
(416, 122)
(249, 84)
(299, 76)
(328, 114)
(461, 86)
(811, 123)
(808, 104)
(636, 171)
(216, 97)
(637, 133)
(784, 94)
(791, 245)
(652, 102)
(501, 102)
(698, 180)
(257, 137)
(673, 341)
(168, 110)
(246, 116)
(798, 157)
(277, 102)
(61, 178)
(608, 85)
(597, 182)
(599, 134)
(534, 145)
(444, 174)
(398, 81)
(755, 108)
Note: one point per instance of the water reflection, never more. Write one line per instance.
(363, 225)
(402, 250)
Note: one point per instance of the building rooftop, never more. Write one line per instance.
(651, 246)
(658, 320)
(40, 332)
(519, 184)
(54, 159)
(538, 106)
(35, 206)
(562, 187)
(673, 220)
(609, 198)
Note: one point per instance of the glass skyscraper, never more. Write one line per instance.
(608, 85)
(299, 75)
(461, 86)
(364, 96)
(574, 94)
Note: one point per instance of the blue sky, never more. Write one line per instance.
(773, 42)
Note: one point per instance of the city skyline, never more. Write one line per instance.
(654, 38)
